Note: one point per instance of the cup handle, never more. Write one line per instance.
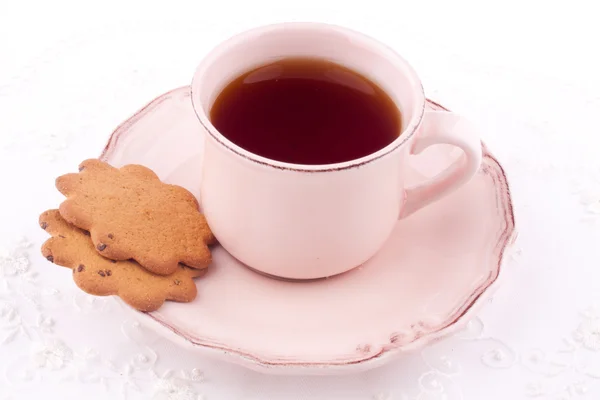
(443, 127)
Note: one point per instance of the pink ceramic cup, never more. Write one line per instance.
(311, 221)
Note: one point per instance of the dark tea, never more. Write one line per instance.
(306, 111)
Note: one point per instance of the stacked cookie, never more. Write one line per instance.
(123, 232)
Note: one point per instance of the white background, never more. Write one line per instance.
(527, 72)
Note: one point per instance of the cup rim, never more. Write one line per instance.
(406, 134)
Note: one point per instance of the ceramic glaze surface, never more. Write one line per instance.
(342, 213)
(436, 266)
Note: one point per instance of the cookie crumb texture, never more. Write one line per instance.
(70, 247)
(131, 214)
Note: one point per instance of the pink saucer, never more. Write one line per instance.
(436, 267)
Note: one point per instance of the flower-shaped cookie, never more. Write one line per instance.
(71, 247)
(131, 214)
